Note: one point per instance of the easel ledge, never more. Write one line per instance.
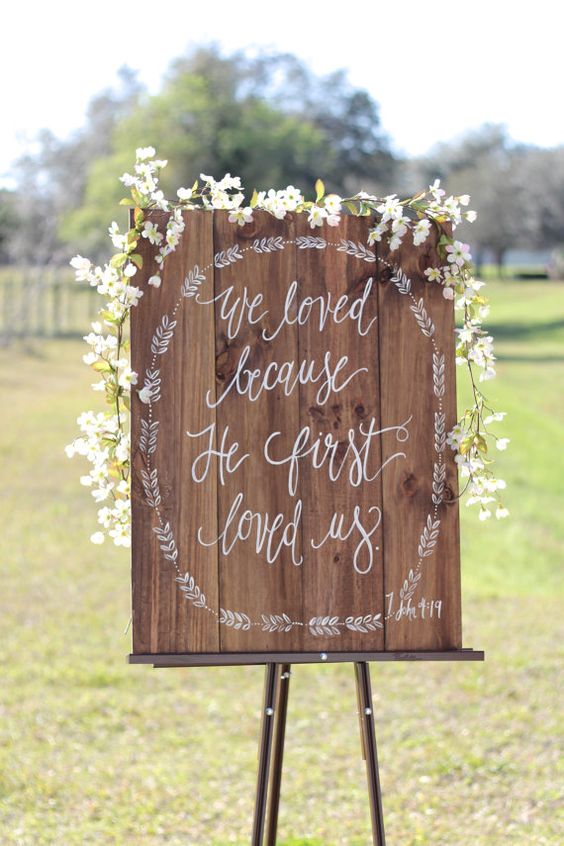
(228, 659)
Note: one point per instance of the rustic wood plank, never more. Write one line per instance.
(248, 583)
(335, 583)
(163, 616)
(406, 378)
(201, 357)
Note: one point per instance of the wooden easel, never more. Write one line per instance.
(271, 752)
(275, 709)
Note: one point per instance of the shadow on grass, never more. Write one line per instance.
(530, 359)
(523, 331)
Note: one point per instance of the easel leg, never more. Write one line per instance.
(271, 752)
(368, 738)
(280, 712)
(265, 749)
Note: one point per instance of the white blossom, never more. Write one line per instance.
(421, 231)
(291, 198)
(391, 208)
(241, 216)
(317, 215)
(142, 153)
(127, 378)
(458, 253)
(97, 537)
(151, 232)
(184, 194)
(333, 204)
(375, 234)
(436, 191)
(119, 241)
(433, 274)
(496, 417)
(82, 268)
(275, 202)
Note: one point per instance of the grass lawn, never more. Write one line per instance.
(96, 752)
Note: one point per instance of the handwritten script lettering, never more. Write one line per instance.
(324, 309)
(351, 458)
(326, 450)
(252, 383)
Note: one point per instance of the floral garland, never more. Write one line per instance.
(104, 437)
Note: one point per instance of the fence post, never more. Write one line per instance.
(7, 309)
(56, 308)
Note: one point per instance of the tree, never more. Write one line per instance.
(488, 165)
(52, 179)
(543, 175)
(9, 222)
(266, 118)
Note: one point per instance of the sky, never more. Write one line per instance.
(436, 69)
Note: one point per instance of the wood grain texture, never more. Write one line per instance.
(162, 616)
(201, 361)
(406, 378)
(333, 585)
(247, 582)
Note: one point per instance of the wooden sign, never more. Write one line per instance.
(292, 487)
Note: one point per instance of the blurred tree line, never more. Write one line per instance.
(269, 119)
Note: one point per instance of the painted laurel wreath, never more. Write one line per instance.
(322, 625)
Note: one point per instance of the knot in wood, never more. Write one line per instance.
(316, 413)
(222, 365)
(409, 485)
(448, 495)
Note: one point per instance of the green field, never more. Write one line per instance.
(96, 752)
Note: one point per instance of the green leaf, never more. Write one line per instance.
(138, 217)
(480, 443)
(118, 260)
(126, 201)
(137, 260)
(126, 401)
(465, 445)
(101, 367)
(111, 391)
(254, 199)
(319, 189)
